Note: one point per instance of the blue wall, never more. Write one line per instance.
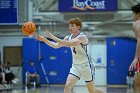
(56, 62)
(120, 53)
(30, 52)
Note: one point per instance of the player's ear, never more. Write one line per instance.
(78, 27)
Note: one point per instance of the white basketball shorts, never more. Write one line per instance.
(85, 70)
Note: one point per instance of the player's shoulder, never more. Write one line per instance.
(136, 23)
(82, 34)
(67, 37)
(83, 38)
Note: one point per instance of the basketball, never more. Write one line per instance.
(28, 28)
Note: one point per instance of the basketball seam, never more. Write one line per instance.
(28, 28)
(32, 26)
(25, 31)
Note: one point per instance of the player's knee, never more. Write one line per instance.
(68, 86)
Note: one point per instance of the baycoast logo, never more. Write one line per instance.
(88, 4)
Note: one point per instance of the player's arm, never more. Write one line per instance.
(137, 53)
(137, 32)
(78, 40)
(74, 42)
(50, 43)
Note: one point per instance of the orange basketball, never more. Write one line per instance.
(28, 28)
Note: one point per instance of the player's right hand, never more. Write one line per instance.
(48, 34)
(133, 65)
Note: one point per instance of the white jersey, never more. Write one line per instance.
(79, 52)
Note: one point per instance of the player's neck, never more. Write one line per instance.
(137, 21)
(76, 34)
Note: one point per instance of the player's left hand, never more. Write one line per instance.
(38, 37)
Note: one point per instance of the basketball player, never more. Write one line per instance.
(136, 61)
(136, 28)
(81, 66)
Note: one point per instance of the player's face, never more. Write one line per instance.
(73, 28)
(32, 64)
(136, 16)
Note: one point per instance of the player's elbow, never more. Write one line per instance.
(69, 44)
(73, 44)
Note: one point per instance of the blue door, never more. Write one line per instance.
(120, 53)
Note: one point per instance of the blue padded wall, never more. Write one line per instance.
(30, 52)
(57, 62)
(120, 53)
